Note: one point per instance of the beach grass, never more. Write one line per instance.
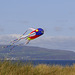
(9, 68)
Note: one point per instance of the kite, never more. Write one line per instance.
(35, 33)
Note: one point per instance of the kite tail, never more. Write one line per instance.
(14, 41)
(11, 44)
(15, 46)
(19, 37)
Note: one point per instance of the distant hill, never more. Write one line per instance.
(35, 53)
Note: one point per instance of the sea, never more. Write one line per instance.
(49, 62)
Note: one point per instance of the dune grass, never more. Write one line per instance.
(8, 68)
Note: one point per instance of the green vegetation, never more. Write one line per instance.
(9, 68)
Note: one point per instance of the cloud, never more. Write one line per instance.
(51, 42)
(62, 20)
(19, 21)
(1, 29)
(57, 28)
(5, 39)
(72, 28)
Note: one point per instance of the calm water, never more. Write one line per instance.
(51, 62)
(48, 62)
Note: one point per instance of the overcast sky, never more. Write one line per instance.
(56, 17)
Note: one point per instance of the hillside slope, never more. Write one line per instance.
(35, 53)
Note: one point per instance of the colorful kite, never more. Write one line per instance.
(33, 35)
